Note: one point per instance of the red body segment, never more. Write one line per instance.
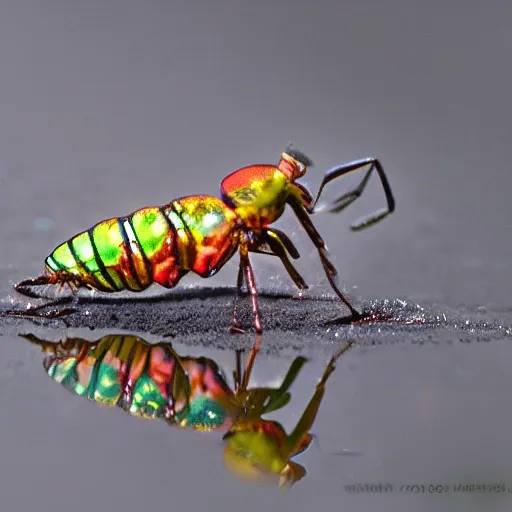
(208, 236)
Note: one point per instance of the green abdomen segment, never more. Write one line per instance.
(124, 371)
(149, 381)
(154, 244)
(120, 253)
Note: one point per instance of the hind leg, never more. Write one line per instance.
(35, 312)
(25, 288)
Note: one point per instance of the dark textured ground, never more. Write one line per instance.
(202, 316)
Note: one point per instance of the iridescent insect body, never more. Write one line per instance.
(154, 382)
(201, 233)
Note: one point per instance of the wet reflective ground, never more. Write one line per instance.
(406, 415)
(105, 108)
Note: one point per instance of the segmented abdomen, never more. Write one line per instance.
(149, 381)
(154, 244)
(121, 370)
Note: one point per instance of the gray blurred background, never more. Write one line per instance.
(108, 106)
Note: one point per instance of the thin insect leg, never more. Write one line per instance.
(239, 282)
(346, 199)
(313, 234)
(24, 286)
(331, 365)
(54, 313)
(275, 246)
(292, 272)
(32, 338)
(337, 291)
(250, 362)
(284, 241)
(305, 197)
(300, 436)
(35, 311)
(77, 346)
(238, 371)
(330, 270)
(251, 286)
(53, 303)
(349, 197)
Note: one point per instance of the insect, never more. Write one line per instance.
(152, 381)
(200, 233)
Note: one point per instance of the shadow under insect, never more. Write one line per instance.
(176, 312)
(152, 381)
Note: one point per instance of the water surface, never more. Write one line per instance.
(108, 107)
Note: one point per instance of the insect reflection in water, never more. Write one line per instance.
(153, 381)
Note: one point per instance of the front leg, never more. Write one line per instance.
(276, 243)
(300, 438)
(305, 197)
(371, 164)
(330, 270)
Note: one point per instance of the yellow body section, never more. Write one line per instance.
(257, 193)
(207, 233)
